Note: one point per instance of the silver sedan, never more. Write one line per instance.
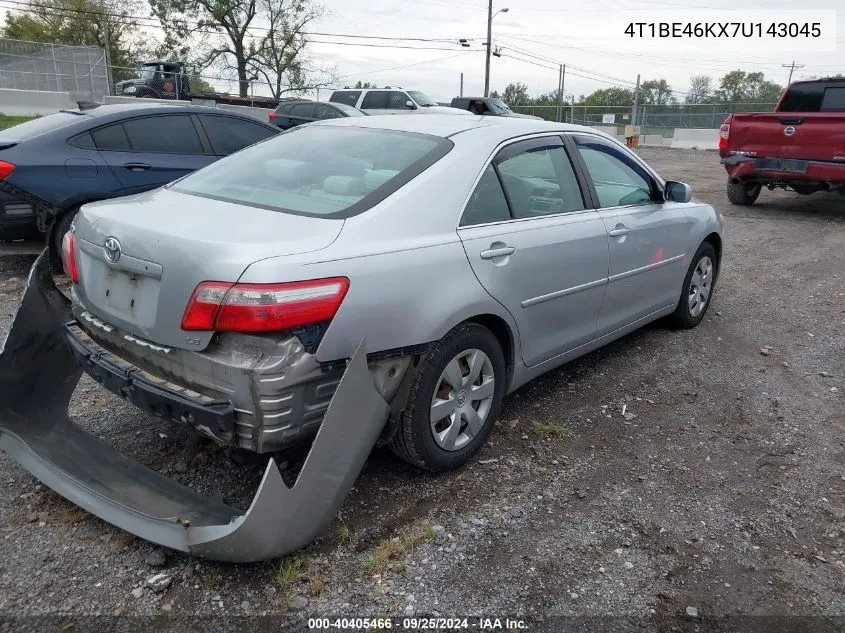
(472, 254)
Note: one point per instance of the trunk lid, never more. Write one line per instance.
(163, 243)
(796, 135)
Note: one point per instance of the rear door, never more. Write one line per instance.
(297, 114)
(646, 236)
(536, 247)
(150, 151)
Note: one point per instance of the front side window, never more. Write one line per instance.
(539, 179)
(228, 134)
(618, 179)
(398, 100)
(320, 171)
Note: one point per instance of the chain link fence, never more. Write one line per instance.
(79, 70)
(661, 119)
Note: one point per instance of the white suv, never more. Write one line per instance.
(391, 101)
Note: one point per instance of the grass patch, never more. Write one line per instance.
(550, 429)
(212, 579)
(317, 587)
(347, 537)
(289, 573)
(11, 121)
(388, 550)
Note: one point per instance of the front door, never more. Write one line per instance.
(646, 235)
(536, 247)
(151, 151)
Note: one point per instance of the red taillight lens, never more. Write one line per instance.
(227, 307)
(6, 169)
(273, 116)
(69, 262)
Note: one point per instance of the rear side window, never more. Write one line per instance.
(833, 100)
(166, 134)
(305, 110)
(111, 138)
(228, 134)
(803, 98)
(283, 108)
(349, 97)
(326, 112)
(488, 202)
(376, 99)
(85, 141)
(321, 171)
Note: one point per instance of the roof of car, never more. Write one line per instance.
(447, 125)
(146, 108)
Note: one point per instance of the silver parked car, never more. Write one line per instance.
(472, 254)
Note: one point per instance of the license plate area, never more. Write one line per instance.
(126, 297)
(782, 164)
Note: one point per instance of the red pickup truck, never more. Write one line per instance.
(799, 146)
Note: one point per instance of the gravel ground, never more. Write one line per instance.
(672, 474)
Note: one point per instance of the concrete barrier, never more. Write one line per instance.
(607, 129)
(651, 140)
(15, 102)
(695, 139)
(111, 100)
(262, 114)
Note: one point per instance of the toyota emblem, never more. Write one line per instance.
(789, 131)
(111, 249)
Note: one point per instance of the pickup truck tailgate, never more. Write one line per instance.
(816, 136)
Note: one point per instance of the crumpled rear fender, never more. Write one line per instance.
(38, 375)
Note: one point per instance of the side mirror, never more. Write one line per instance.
(410, 105)
(677, 191)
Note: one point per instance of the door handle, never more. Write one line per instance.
(492, 253)
(136, 166)
(618, 231)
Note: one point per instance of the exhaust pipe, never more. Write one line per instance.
(38, 375)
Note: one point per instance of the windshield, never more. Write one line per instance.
(348, 109)
(322, 171)
(148, 72)
(497, 105)
(421, 99)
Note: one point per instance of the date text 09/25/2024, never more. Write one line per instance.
(419, 624)
(707, 30)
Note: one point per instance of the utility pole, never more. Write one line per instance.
(105, 18)
(792, 68)
(560, 92)
(636, 102)
(461, 94)
(489, 48)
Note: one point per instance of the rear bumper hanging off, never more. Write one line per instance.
(38, 374)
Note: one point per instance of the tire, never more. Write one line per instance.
(414, 441)
(743, 193)
(56, 234)
(704, 265)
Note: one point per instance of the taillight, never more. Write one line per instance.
(226, 307)
(724, 134)
(6, 169)
(273, 116)
(69, 262)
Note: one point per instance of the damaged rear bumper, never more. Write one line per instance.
(38, 374)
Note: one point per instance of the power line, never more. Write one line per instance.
(792, 68)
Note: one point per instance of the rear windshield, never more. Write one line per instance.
(319, 170)
(38, 126)
(818, 96)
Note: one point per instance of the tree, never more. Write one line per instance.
(700, 89)
(655, 92)
(516, 94)
(364, 86)
(254, 38)
(738, 86)
(610, 97)
(83, 23)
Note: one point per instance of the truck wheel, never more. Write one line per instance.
(743, 193)
(454, 401)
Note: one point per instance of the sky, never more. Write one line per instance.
(557, 32)
(536, 36)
